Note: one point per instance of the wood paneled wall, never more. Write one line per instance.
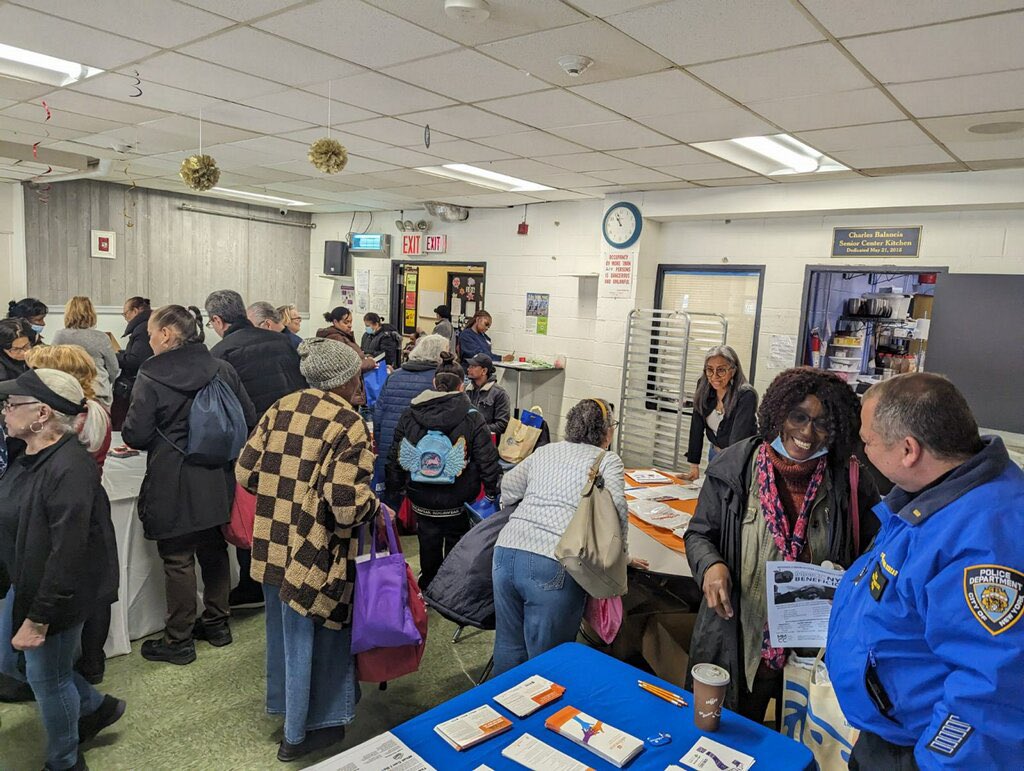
(169, 255)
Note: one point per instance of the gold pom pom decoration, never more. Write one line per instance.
(200, 172)
(328, 155)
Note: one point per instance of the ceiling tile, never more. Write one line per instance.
(30, 131)
(846, 108)
(250, 118)
(688, 32)
(16, 90)
(184, 72)
(509, 18)
(547, 109)
(120, 87)
(6, 103)
(988, 151)
(359, 165)
(616, 135)
(615, 54)
(467, 76)
(401, 156)
(737, 181)
(499, 200)
(270, 173)
(60, 119)
(608, 7)
(874, 157)
(393, 131)
(532, 144)
(163, 23)
(957, 96)
(302, 168)
(274, 150)
(656, 157)
(587, 161)
(564, 195)
(399, 178)
(659, 93)
(632, 176)
(524, 168)
(567, 180)
(243, 10)
(357, 30)
(374, 91)
(84, 104)
(895, 134)
(464, 121)
(311, 108)
(866, 16)
(949, 50)
(36, 31)
(353, 143)
(464, 151)
(270, 57)
(813, 69)
(955, 129)
(708, 170)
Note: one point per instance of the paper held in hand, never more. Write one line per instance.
(473, 727)
(799, 603)
(529, 696)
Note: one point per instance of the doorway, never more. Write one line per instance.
(422, 286)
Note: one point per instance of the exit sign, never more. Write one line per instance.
(412, 244)
(437, 244)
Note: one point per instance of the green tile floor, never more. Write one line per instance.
(210, 714)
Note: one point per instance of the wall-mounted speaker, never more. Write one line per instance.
(337, 261)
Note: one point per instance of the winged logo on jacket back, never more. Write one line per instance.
(433, 459)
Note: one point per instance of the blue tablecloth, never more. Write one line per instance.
(606, 689)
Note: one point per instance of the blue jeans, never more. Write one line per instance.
(538, 606)
(311, 674)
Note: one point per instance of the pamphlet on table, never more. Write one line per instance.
(470, 728)
(713, 756)
(648, 477)
(381, 753)
(605, 741)
(532, 753)
(530, 695)
(799, 603)
(659, 515)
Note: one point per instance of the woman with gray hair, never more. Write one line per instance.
(402, 386)
(58, 551)
(537, 604)
(724, 407)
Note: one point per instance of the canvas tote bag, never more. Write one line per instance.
(520, 438)
(591, 549)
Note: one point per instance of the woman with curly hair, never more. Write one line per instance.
(782, 495)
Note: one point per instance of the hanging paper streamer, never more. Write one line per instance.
(426, 136)
(129, 200)
(43, 191)
(137, 85)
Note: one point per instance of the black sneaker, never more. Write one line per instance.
(93, 678)
(14, 691)
(319, 739)
(109, 712)
(243, 596)
(172, 653)
(79, 765)
(218, 635)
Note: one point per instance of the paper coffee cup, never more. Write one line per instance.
(709, 685)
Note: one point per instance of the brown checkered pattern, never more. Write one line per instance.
(309, 462)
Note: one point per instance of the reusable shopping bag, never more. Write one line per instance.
(373, 382)
(520, 438)
(238, 530)
(604, 617)
(380, 665)
(811, 713)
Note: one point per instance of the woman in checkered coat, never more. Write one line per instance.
(309, 463)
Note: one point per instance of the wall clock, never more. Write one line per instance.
(622, 225)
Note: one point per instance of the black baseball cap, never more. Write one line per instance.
(481, 360)
(29, 384)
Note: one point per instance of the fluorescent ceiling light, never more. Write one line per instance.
(259, 197)
(772, 155)
(29, 65)
(483, 178)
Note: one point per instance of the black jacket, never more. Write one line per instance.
(64, 559)
(493, 402)
(452, 414)
(714, 535)
(738, 423)
(385, 340)
(10, 368)
(137, 349)
(177, 497)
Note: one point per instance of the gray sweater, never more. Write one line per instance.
(97, 345)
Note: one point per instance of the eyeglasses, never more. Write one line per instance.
(799, 418)
(719, 371)
(20, 348)
(8, 405)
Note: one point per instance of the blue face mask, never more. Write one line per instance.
(781, 450)
(37, 328)
(369, 330)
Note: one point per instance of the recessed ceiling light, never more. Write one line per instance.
(40, 68)
(483, 178)
(772, 155)
(999, 127)
(259, 197)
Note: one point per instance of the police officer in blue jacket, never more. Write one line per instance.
(926, 643)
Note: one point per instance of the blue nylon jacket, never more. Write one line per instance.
(471, 343)
(402, 386)
(926, 643)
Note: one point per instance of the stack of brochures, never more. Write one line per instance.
(532, 753)
(615, 746)
(471, 728)
(529, 696)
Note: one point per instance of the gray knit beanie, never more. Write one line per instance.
(429, 348)
(327, 364)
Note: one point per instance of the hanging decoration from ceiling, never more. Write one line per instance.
(137, 86)
(43, 191)
(426, 136)
(326, 154)
(128, 207)
(200, 172)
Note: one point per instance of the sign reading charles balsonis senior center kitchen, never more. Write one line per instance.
(876, 242)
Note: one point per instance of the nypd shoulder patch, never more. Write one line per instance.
(995, 596)
(951, 736)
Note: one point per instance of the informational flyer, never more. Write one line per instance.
(537, 313)
(617, 275)
(799, 603)
(782, 351)
(381, 753)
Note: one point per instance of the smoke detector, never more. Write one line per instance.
(574, 65)
(467, 11)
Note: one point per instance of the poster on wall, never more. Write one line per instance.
(343, 294)
(617, 275)
(537, 313)
(411, 282)
(782, 353)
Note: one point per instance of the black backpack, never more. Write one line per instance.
(216, 426)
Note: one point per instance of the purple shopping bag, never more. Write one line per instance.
(380, 614)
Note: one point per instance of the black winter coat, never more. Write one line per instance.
(385, 340)
(177, 497)
(10, 368)
(715, 535)
(137, 349)
(63, 564)
(452, 414)
(738, 423)
(265, 361)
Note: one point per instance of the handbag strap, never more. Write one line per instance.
(370, 528)
(855, 503)
(594, 473)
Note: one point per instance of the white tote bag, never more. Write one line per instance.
(826, 732)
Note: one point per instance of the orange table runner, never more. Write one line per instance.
(662, 536)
